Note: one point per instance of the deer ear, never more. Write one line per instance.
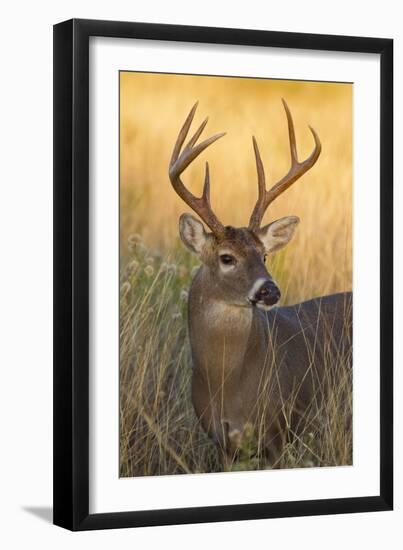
(276, 235)
(192, 233)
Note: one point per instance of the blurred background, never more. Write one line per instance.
(153, 108)
(159, 433)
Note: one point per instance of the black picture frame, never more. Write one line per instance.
(71, 273)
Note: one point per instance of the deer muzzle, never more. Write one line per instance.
(265, 293)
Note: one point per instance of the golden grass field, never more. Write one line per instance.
(159, 433)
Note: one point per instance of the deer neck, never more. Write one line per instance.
(220, 331)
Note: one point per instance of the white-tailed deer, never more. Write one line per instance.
(256, 366)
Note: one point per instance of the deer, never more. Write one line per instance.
(257, 366)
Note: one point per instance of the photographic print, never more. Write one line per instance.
(235, 274)
(222, 198)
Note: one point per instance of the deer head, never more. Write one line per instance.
(235, 257)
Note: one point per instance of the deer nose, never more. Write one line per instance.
(268, 293)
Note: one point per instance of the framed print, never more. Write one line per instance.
(223, 274)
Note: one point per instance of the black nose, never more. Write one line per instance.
(268, 293)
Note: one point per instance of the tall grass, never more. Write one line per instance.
(159, 432)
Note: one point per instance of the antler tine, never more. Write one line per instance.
(206, 186)
(261, 178)
(297, 169)
(182, 134)
(181, 160)
(291, 134)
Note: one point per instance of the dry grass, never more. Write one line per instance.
(159, 430)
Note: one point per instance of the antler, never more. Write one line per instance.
(296, 170)
(181, 160)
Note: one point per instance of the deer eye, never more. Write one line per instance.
(227, 259)
(265, 258)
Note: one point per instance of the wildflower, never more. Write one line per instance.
(132, 266)
(139, 248)
(172, 269)
(149, 270)
(134, 239)
(135, 243)
(149, 260)
(184, 295)
(164, 267)
(176, 314)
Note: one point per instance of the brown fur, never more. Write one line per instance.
(252, 367)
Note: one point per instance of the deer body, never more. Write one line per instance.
(248, 363)
(256, 367)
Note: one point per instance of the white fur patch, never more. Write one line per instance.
(219, 313)
(255, 287)
(265, 307)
